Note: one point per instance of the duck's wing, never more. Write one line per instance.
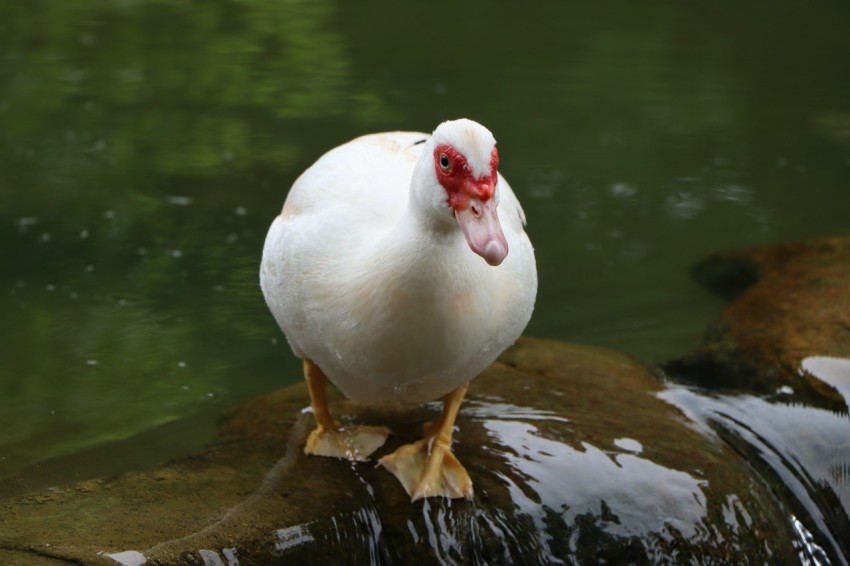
(364, 180)
(511, 214)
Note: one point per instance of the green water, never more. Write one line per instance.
(145, 148)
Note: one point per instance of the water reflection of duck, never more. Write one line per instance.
(369, 270)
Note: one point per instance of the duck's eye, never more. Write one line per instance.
(445, 165)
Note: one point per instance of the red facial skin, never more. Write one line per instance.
(458, 181)
(472, 202)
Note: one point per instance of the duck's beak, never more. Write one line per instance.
(480, 224)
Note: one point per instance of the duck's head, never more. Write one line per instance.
(460, 162)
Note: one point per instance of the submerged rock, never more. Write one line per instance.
(574, 456)
(779, 364)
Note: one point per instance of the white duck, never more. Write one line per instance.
(399, 269)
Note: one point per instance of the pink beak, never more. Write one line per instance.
(480, 224)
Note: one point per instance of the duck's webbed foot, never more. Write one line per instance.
(351, 442)
(331, 439)
(427, 467)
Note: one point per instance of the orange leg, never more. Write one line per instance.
(316, 383)
(329, 438)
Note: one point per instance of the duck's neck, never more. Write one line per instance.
(425, 244)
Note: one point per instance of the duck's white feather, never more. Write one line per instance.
(391, 307)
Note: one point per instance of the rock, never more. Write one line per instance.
(779, 362)
(788, 302)
(573, 454)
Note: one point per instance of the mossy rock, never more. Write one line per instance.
(787, 302)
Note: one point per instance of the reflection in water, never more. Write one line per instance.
(809, 551)
(805, 449)
(539, 499)
(629, 445)
(831, 370)
(128, 558)
(291, 537)
(491, 407)
(565, 496)
(628, 494)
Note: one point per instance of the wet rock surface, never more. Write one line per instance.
(777, 367)
(573, 452)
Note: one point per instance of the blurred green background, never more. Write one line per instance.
(146, 146)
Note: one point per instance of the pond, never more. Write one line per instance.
(147, 147)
